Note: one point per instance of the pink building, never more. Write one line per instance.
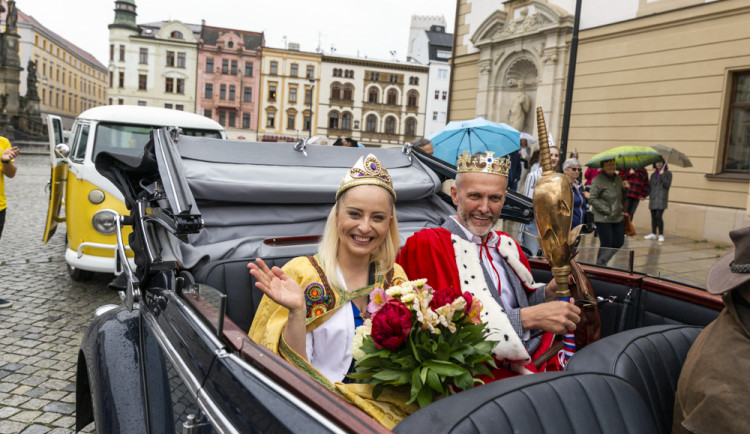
(229, 78)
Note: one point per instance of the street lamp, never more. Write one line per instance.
(312, 89)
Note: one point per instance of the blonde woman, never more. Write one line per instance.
(314, 303)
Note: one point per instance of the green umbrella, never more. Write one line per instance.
(627, 157)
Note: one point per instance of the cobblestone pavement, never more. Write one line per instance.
(40, 334)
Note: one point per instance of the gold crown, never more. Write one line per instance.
(367, 170)
(484, 163)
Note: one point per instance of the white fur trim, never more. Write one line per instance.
(509, 250)
(471, 275)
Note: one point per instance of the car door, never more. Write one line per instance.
(57, 177)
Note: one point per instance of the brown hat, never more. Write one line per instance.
(732, 269)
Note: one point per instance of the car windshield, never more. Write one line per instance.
(131, 139)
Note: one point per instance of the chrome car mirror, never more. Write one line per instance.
(62, 150)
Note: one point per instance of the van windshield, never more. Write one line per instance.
(131, 139)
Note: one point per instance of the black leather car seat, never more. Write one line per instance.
(550, 402)
(649, 358)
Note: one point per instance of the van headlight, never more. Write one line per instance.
(104, 221)
(96, 196)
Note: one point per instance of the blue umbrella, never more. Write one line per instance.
(476, 135)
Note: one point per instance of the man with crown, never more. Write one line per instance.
(467, 253)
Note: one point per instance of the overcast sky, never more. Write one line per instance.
(372, 28)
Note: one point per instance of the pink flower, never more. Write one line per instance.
(378, 299)
(391, 326)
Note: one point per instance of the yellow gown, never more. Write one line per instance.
(322, 301)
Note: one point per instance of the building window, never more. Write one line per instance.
(307, 123)
(210, 65)
(143, 56)
(738, 134)
(232, 116)
(336, 92)
(336, 72)
(371, 124)
(310, 71)
(247, 94)
(180, 60)
(437, 94)
(234, 67)
(142, 103)
(120, 101)
(333, 120)
(390, 125)
(176, 35)
(169, 85)
(274, 68)
(180, 85)
(348, 92)
(142, 82)
(223, 91)
(121, 80)
(225, 66)
(111, 50)
(208, 93)
(230, 44)
(374, 76)
(231, 92)
(346, 121)
(412, 99)
(179, 107)
(293, 95)
(207, 113)
(293, 70)
(445, 94)
(111, 79)
(372, 95)
(392, 96)
(122, 53)
(248, 69)
(442, 74)
(272, 92)
(414, 80)
(393, 78)
(290, 121)
(222, 118)
(170, 58)
(349, 73)
(271, 120)
(246, 120)
(308, 96)
(411, 127)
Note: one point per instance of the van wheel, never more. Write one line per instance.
(79, 275)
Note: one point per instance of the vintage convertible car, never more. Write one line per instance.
(176, 357)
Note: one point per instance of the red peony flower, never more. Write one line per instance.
(441, 297)
(467, 296)
(391, 325)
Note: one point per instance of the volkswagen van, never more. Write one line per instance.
(88, 199)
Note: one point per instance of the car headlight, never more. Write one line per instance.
(96, 197)
(104, 221)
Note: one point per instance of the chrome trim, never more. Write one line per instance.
(98, 246)
(133, 292)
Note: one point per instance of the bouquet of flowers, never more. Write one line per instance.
(429, 340)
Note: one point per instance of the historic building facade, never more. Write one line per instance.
(68, 79)
(434, 47)
(152, 64)
(675, 72)
(229, 71)
(377, 103)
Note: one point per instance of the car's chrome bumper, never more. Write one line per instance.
(99, 264)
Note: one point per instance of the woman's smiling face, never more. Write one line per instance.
(363, 217)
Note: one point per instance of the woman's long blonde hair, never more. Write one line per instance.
(383, 257)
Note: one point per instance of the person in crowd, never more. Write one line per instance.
(515, 170)
(525, 153)
(606, 197)
(529, 232)
(350, 143)
(589, 176)
(639, 188)
(338, 142)
(424, 144)
(574, 154)
(313, 304)
(712, 391)
(572, 169)
(7, 169)
(467, 253)
(658, 200)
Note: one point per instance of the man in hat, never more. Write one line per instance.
(713, 392)
(466, 253)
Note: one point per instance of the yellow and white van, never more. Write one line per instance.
(89, 199)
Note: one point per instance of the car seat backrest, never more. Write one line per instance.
(649, 358)
(539, 403)
(232, 277)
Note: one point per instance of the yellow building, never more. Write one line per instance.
(675, 72)
(289, 88)
(70, 80)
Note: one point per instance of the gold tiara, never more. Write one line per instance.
(484, 163)
(367, 170)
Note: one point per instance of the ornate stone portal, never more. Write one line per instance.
(522, 52)
(19, 115)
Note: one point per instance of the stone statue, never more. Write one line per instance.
(31, 80)
(11, 18)
(3, 102)
(520, 107)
